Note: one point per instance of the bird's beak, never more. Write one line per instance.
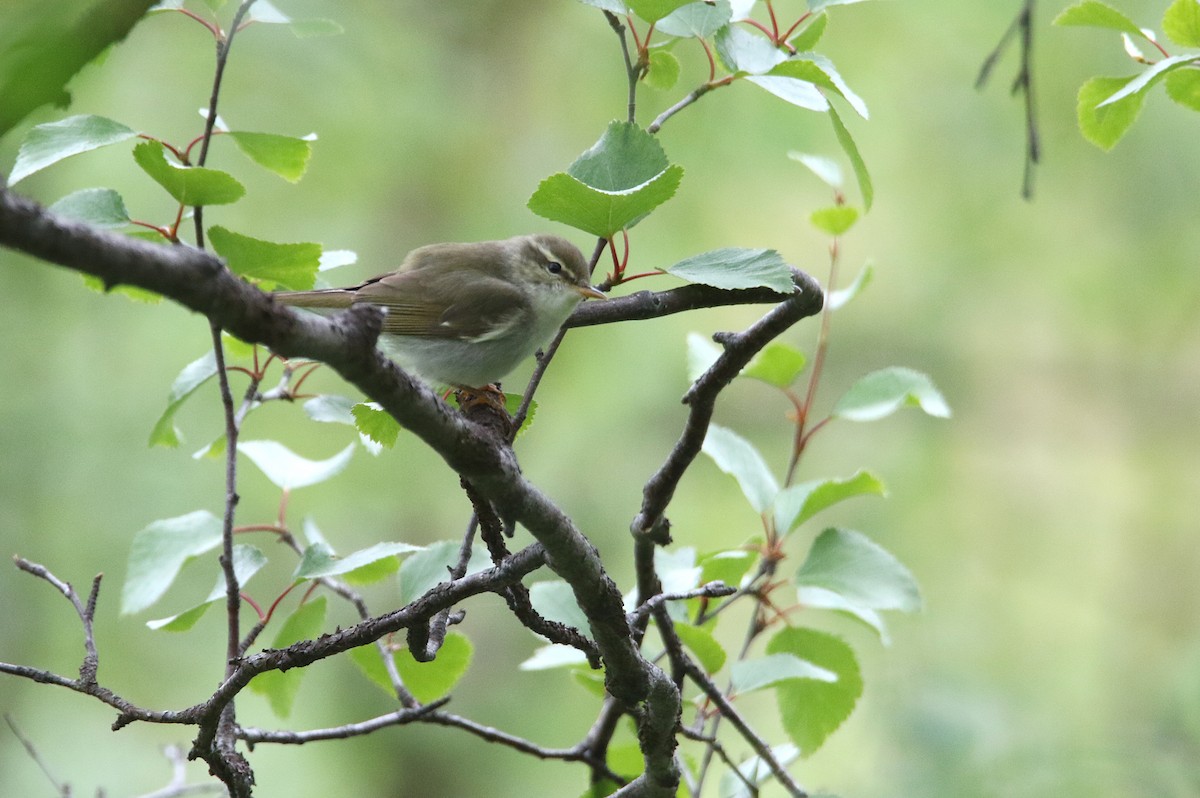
(590, 292)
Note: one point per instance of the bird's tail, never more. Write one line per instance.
(322, 298)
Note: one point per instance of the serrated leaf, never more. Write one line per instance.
(1181, 23)
(52, 142)
(330, 409)
(856, 161)
(811, 710)
(654, 10)
(1183, 86)
(757, 772)
(818, 598)
(810, 34)
(700, 642)
(735, 455)
(1104, 126)
(289, 470)
(247, 560)
(742, 51)
(429, 567)
(158, 552)
(334, 258)
(867, 575)
(819, 70)
(697, 19)
(796, 504)
(1148, 77)
(777, 364)
(612, 186)
(1094, 14)
(286, 156)
(99, 207)
(729, 566)
(677, 569)
(194, 374)
(662, 70)
(281, 687)
(798, 92)
(375, 423)
(133, 292)
(735, 267)
(826, 169)
(189, 185)
(841, 297)
(429, 681)
(835, 220)
(881, 393)
(319, 560)
(748, 675)
(42, 47)
(555, 601)
(553, 656)
(702, 353)
(289, 266)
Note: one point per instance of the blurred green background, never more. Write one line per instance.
(1052, 523)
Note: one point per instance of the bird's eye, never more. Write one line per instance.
(554, 267)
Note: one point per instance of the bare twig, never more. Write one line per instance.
(1022, 84)
(62, 789)
(400, 717)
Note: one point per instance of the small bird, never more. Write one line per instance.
(464, 315)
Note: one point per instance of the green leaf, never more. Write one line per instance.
(728, 566)
(1094, 14)
(811, 710)
(247, 560)
(286, 156)
(134, 293)
(319, 560)
(654, 10)
(698, 19)
(796, 504)
(1181, 23)
(555, 601)
(742, 51)
(851, 149)
(99, 207)
(428, 681)
(1183, 86)
(189, 185)
(289, 470)
(835, 220)
(777, 364)
(281, 687)
(428, 568)
(826, 169)
(614, 6)
(819, 70)
(700, 642)
(662, 71)
(42, 47)
(798, 92)
(702, 353)
(749, 675)
(158, 553)
(52, 142)
(735, 267)
(612, 186)
(330, 409)
(1149, 77)
(375, 423)
(810, 34)
(1104, 126)
(735, 455)
(843, 296)
(867, 575)
(194, 374)
(757, 772)
(881, 393)
(818, 598)
(553, 656)
(289, 266)
(817, 5)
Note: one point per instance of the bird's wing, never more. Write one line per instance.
(482, 308)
